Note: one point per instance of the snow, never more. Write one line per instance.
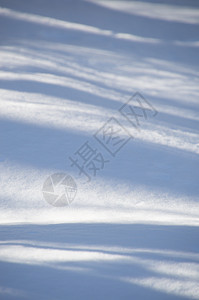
(66, 69)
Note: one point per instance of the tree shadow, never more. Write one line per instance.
(124, 251)
(142, 249)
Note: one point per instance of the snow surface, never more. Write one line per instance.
(66, 67)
